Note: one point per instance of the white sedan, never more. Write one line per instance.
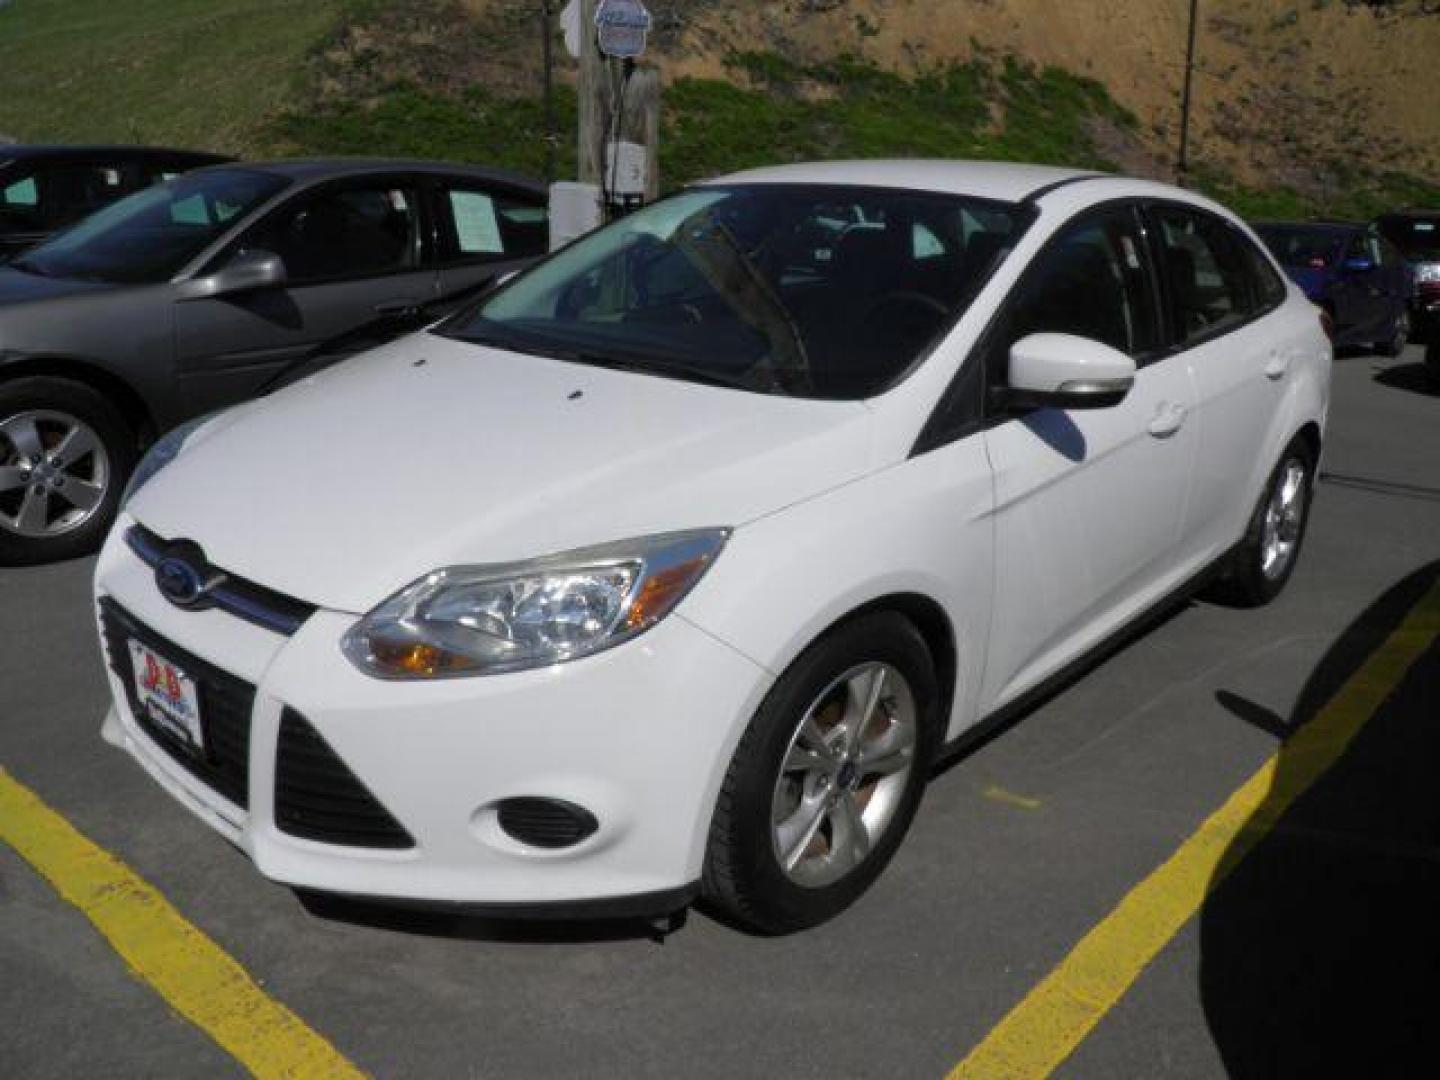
(668, 569)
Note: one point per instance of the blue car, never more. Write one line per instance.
(1351, 271)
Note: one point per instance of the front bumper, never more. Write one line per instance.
(639, 735)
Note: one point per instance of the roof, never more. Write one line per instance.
(17, 151)
(981, 179)
(310, 169)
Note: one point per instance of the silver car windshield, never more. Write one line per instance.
(151, 235)
(823, 291)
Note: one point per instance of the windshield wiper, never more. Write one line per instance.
(669, 369)
(25, 266)
(635, 362)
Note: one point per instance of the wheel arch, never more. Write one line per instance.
(126, 398)
(928, 617)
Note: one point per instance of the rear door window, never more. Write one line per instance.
(480, 225)
(1206, 273)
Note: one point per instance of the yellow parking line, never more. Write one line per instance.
(192, 973)
(1053, 1019)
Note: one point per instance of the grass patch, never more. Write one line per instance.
(195, 73)
(405, 121)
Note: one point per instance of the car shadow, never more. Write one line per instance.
(1415, 377)
(463, 926)
(1320, 948)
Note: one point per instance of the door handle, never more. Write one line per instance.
(1277, 365)
(402, 306)
(1168, 420)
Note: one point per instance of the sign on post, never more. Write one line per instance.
(621, 26)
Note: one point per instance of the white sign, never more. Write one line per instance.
(476, 226)
(625, 168)
(570, 26)
(622, 25)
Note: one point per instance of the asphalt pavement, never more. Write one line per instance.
(1320, 945)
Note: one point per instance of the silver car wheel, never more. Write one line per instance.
(54, 473)
(1284, 516)
(844, 774)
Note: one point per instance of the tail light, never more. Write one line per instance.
(1327, 323)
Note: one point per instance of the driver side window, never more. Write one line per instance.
(1092, 281)
(344, 233)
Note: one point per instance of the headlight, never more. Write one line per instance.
(1428, 273)
(482, 620)
(164, 450)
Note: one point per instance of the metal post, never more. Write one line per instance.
(547, 43)
(1182, 166)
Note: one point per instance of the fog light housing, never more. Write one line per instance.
(545, 823)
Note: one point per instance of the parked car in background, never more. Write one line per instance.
(1417, 234)
(1352, 272)
(668, 568)
(200, 292)
(45, 188)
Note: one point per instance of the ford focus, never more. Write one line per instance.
(667, 570)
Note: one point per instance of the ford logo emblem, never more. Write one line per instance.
(181, 583)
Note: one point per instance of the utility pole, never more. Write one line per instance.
(547, 54)
(619, 105)
(594, 101)
(1182, 165)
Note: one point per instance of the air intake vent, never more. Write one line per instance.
(317, 797)
(546, 823)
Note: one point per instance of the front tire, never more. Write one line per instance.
(826, 779)
(65, 453)
(1263, 562)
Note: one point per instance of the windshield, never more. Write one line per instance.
(1299, 245)
(810, 291)
(1418, 238)
(151, 235)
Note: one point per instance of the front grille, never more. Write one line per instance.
(317, 797)
(240, 597)
(225, 705)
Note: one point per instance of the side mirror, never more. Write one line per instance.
(1359, 264)
(1062, 371)
(247, 272)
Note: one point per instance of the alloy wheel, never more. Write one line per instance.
(54, 473)
(1284, 517)
(844, 774)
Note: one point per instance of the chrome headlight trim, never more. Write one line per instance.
(465, 621)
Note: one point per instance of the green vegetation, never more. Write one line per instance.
(481, 127)
(258, 77)
(199, 73)
(773, 110)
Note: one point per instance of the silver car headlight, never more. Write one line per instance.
(483, 620)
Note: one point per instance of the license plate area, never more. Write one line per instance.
(168, 696)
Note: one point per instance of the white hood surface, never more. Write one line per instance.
(431, 452)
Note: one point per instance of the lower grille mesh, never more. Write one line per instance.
(317, 797)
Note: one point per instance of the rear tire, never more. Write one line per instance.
(65, 454)
(1399, 338)
(826, 779)
(1259, 568)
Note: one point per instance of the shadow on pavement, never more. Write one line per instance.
(1320, 954)
(1417, 378)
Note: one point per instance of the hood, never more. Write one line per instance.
(430, 452)
(18, 287)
